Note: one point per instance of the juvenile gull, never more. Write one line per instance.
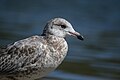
(36, 56)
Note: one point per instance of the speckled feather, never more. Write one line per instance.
(31, 54)
(36, 56)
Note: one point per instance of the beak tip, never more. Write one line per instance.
(80, 37)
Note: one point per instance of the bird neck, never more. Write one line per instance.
(53, 39)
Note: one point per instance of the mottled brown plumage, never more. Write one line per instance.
(36, 56)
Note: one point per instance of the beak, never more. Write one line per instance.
(78, 35)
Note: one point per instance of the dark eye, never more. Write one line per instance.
(63, 26)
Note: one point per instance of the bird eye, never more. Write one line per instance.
(63, 26)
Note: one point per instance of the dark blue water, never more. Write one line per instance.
(96, 58)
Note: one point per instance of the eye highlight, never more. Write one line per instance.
(63, 26)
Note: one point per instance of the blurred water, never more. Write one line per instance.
(96, 58)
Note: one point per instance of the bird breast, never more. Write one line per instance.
(56, 51)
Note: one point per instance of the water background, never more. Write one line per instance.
(95, 58)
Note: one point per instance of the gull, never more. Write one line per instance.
(36, 56)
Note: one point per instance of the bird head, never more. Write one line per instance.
(60, 27)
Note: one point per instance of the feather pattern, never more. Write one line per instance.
(36, 56)
(32, 54)
(21, 53)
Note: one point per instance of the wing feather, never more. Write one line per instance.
(21, 54)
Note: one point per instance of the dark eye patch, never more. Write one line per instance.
(63, 26)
